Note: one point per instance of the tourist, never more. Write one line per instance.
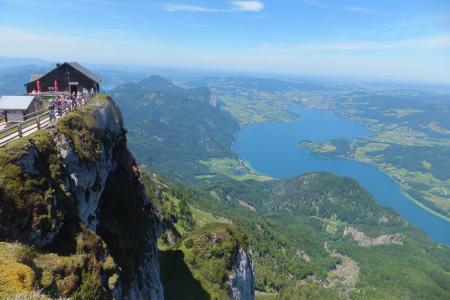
(51, 110)
(58, 106)
(62, 105)
(75, 101)
(68, 102)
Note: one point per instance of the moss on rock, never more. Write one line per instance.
(210, 254)
(40, 207)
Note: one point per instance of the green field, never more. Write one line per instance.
(232, 168)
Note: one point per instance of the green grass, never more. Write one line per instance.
(203, 218)
(261, 109)
(208, 253)
(232, 168)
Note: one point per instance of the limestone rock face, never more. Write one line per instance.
(365, 241)
(242, 278)
(148, 285)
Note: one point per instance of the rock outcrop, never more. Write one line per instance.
(365, 241)
(75, 190)
(242, 277)
(219, 257)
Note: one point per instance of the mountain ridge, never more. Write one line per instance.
(165, 121)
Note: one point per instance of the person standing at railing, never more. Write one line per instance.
(65, 106)
(78, 100)
(67, 103)
(51, 110)
(59, 106)
(74, 102)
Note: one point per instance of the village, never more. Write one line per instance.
(49, 96)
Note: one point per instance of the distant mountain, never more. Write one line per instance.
(12, 79)
(8, 62)
(112, 78)
(171, 128)
(233, 84)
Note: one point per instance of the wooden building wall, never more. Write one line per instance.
(64, 74)
(16, 115)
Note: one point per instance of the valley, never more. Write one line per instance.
(257, 105)
(416, 157)
(300, 233)
(225, 150)
(386, 113)
(271, 148)
(277, 215)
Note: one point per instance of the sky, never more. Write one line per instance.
(395, 40)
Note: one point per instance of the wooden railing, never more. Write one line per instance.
(36, 120)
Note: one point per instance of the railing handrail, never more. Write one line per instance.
(45, 109)
(17, 130)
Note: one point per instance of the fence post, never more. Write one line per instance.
(19, 129)
(38, 121)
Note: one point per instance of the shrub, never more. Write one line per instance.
(90, 289)
(24, 254)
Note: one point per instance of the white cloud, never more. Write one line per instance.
(355, 9)
(358, 9)
(174, 7)
(248, 5)
(234, 6)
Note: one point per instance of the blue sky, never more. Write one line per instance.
(384, 39)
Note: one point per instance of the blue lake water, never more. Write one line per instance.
(271, 148)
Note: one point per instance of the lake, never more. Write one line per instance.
(271, 148)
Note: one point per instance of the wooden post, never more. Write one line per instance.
(19, 129)
(38, 121)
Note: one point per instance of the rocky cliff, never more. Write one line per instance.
(73, 206)
(218, 257)
(242, 277)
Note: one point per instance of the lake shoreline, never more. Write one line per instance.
(418, 203)
(272, 148)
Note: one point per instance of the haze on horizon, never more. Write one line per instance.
(394, 40)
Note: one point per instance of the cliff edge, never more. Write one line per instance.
(74, 217)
